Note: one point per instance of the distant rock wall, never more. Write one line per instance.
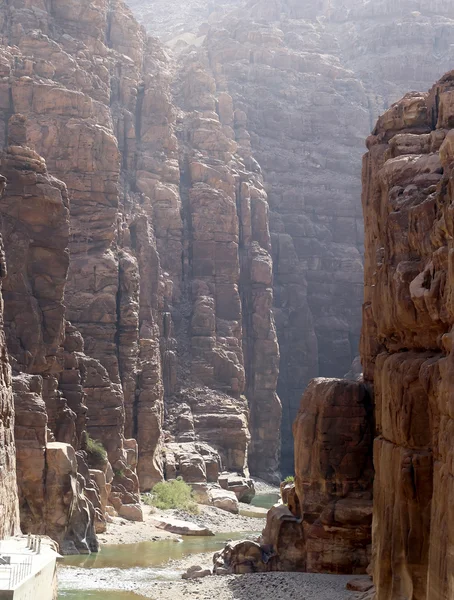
(310, 78)
(406, 342)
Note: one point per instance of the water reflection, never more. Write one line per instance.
(150, 554)
(266, 500)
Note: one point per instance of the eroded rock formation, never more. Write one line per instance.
(308, 80)
(139, 293)
(9, 506)
(333, 474)
(406, 342)
(324, 522)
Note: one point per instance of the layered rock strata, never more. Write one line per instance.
(406, 342)
(9, 505)
(324, 523)
(309, 79)
(334, 473)
(140, 269)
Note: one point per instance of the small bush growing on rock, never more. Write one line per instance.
(289, 479)
(96, 452)
(173, 494)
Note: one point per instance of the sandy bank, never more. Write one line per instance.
(121, 531)
(270, 586)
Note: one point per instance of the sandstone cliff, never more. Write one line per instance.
(9, 506)
(406, 342)
(138, 301)
(168, 273)
(309, 79)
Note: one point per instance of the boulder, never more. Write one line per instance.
(180, 527)
(242, 487)
(197, 572)
(131, 512)
(360, 584)
(239, 558)
(225, 500)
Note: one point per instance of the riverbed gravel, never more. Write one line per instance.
(269, 586)
(165, 583)
(220, 521)
(120, 531)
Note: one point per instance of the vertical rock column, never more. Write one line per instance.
(406, 342)
(9, 507)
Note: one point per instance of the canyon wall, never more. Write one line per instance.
(9, 504)
(406, 342)
(138, 299)
(311, 78)
(183, 243)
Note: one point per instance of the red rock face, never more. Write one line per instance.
(140, 269)
(406, 342)
(333, 475)
(9, 506)
(324, 525)
(308, 80)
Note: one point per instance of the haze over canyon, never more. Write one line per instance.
(190, 278)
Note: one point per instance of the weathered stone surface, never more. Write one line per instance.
(324, 524)
(333, 474)
(360, 584)
(225, 499)
(239, 558)
(284, 533)
(9, 507)
(406, 342)
(244, 489)
(194, 462)
(139, 251)
(196, 572)
(318, 74)
(180, 527)
(52, 498)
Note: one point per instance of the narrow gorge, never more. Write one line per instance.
(192, 288)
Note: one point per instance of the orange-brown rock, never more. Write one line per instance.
(406, 342)
(9, 506)
(301, 84)
(139, 251)
(333, 474)
(324, 524)
(36, 229)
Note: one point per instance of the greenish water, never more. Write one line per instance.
(113, 572)
(102, 576)
(149, 554)
(265, 500)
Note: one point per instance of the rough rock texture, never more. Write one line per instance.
(35, 225)
(324, 524)
(9, 506)
(139, 261)
(407, 342)
(307, 81)
(333, 475)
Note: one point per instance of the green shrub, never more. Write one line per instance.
(96, 452)
(172, 494)
(289, 479)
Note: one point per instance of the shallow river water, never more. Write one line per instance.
(110, 574)
(265, 500)
(129, 565)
